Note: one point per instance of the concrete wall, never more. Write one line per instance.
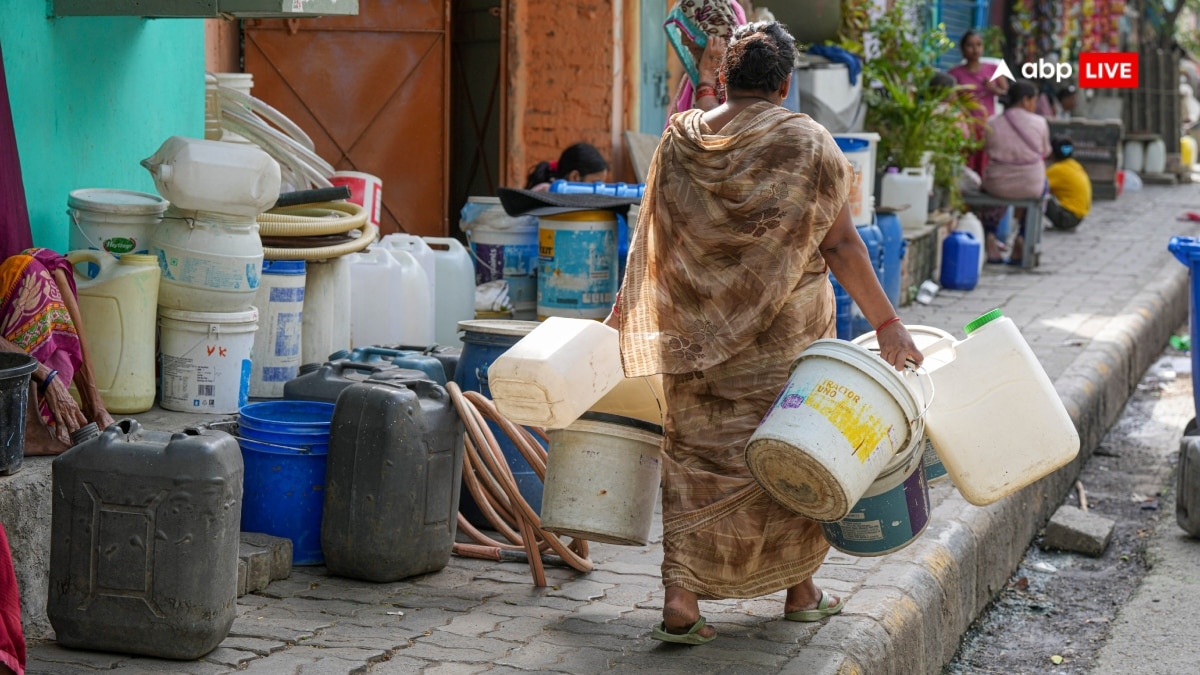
(566, 78)
(91, 97)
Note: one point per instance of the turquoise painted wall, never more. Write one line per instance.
(93, 96)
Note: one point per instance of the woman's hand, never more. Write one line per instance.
(896, 346)
(998, 86)
(710, 61)
(67, 416)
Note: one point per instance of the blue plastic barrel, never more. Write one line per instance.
(894, 247)
(872, 236)
(844, 304)
(483, 342)
(960, 261)
(1187, 251)
(284, 496)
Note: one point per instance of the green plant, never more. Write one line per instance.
(910, 117)
(856, 21)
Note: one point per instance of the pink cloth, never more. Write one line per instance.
(977, 82)
(1018, 143)
(12, 637)
(683, 101)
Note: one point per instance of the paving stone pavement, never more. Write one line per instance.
(479, 616)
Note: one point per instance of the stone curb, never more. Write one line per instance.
(908, 616)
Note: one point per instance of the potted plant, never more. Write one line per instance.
(919, 126)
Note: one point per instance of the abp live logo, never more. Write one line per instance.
(1097, 70)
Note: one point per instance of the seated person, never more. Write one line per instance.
(1018, 142)
(581, 163)
(38, 316)
(1067, 101)
(1070, 188)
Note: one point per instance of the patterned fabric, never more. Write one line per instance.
(697, 19)
(725, 287)
(33, 315)
(977, 83)
(12, 637)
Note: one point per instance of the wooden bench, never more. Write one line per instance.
(1033, 221)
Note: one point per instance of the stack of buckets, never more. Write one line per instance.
(284, 447)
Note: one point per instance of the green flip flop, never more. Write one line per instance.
(822, 610)
(692, 637)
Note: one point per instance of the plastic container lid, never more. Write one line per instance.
(983, 321)
(284, 267)
(246, 316)
(125, 202)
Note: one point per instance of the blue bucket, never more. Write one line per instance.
(284, 496)
(891, 515)
(292, 417)
(483, 342)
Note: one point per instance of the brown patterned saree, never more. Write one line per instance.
(725, 287)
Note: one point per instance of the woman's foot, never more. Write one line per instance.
(994, 248)
(681, 611)
(806, 596)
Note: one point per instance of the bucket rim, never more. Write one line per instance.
(133, 202)
(242, 317)
(582, 426)
(273, 449)
(25, 365)
(498, 326)
(620, 420)
(315, 408)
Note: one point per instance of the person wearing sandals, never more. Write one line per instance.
(744, 215)
(1017, 145)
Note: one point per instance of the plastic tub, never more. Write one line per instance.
(277, 345)
(15, 370)
(284, 496)
(506, 248)
(860, 153)
(206, 359)
(287, 416)
(577, 269)
(117, 221)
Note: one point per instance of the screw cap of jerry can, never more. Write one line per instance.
(983, 321)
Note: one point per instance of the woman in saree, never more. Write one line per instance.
(40, 317)
(745, 214)
(697, 31)
(976, 75)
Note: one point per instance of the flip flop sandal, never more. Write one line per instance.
(692, 637)
(822, 610)
(995, 261)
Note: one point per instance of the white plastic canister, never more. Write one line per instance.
(326, 323)
(209, 262)
(1135, 156)
(506, 248)
(198, 175)
(417, 248)
(455, 288)
(206, 359)
(577, 270)
(117, 221)
(996, 420)
(118, 305)
(1156, 156)
(389, 299)
(860, 151)
(907, 191)
(278, 342)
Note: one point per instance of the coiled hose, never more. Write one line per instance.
(313, 220)
(490, 481)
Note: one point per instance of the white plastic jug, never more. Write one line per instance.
(210, 262)
(418, 249)
(389, 301)
(1135, 156)
(558, 371)
(1156, 156)
(118, 307)
(200, 175)
(996, 420)
(325, 328)
(639, 398)
(907, 190)
(969, 222)
(455, 288)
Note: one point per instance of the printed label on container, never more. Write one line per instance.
(578, 269)
(844, 408)
(287, 294)
(287, 334)
(503, 261)
(119, 245)
(871, 530)
(210, 273)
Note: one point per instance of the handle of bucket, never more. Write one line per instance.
(917, 370)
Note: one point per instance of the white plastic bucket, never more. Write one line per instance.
(206, 359)
(325, 327)
(860, 151)
(117, 221)
(365, 190)
(602, 478)
(843, 417)
(891, 515)
(506, 248)
(209, 263)
(577, 269)
(278, 344)
(931, 341)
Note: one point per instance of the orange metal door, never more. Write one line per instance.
(373, 92)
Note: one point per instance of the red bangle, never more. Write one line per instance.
(887, 323)
(706, 90)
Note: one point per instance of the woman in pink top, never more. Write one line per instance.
(976, 76)
(1018, 143)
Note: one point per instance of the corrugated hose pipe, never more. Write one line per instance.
(312, 220)
(490, 481)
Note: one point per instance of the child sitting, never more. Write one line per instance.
(1070, 188)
